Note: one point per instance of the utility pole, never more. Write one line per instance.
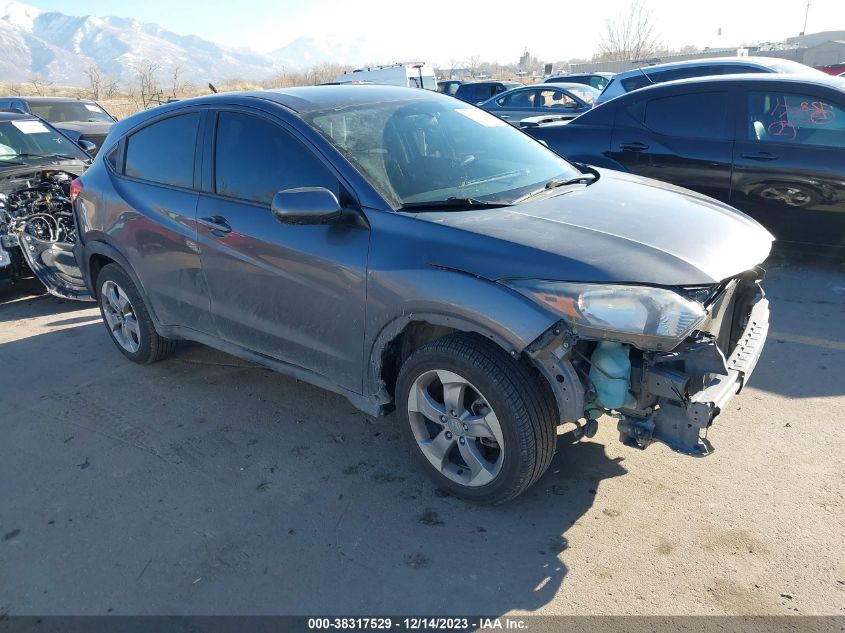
(806, 14)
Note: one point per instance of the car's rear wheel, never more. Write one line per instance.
(127, 318)
(480, 423)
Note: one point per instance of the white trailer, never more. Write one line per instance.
(412, 74)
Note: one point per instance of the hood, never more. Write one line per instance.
(620, 228)
(15, 177)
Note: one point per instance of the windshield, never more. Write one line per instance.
(66, 111)
(436, 149)
(23, 139)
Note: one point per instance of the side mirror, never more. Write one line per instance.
(307, 205)
(88, 146)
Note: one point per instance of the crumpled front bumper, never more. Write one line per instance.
(678, 416)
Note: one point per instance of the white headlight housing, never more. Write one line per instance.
(647, 318)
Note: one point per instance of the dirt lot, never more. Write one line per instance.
(204, 485)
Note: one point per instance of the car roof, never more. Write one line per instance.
(598, 73)
(15, 116)
(820, 80)
(571, 85)
(300, 100)
(490, 81)
(766, 62)
(51, 99)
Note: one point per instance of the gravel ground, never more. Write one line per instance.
(205, 485)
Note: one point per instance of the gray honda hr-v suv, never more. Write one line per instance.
(413, 252)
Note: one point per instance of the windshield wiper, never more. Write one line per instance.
(453, 204)
(61, 156)
(584, 178)
(11, 162)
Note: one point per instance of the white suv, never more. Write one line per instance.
(647, 75)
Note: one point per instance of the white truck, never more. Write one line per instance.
(412, 74)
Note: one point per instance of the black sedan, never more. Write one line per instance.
(772, 146)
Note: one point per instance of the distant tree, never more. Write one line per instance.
(689, 49)
(177, 85)
(145, 87)
(95, 80)
(473, 65)
(39, 84)
(630, 36)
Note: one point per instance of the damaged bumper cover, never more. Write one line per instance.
(680, 415)
(674, 395)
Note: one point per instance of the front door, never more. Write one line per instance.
(682, 138)
(294, 293)
(789, 165)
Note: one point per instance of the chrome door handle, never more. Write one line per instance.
(216, 224)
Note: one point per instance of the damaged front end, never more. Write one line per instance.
(38, 231)
(666, 383)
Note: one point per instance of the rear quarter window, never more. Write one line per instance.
(163, 152)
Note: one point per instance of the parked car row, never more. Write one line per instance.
(771, 145)
(84, 121)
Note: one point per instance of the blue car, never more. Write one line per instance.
(566, 100)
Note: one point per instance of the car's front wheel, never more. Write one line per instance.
(480, 422)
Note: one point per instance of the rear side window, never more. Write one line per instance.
(802, 119)
(164, 151)
(698, 115)
(254, 159)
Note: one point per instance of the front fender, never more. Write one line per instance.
(450, 298)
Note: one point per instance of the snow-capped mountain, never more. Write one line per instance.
(60, 47)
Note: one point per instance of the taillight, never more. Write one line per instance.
(75, 189)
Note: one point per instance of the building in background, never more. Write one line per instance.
(815, 49)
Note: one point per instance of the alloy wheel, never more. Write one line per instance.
(120, 317)
(455, 428)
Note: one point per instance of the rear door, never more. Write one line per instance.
(684, 138)
(294, 293)
(155, 203)
(789, 161)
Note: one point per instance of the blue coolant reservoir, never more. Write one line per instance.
(610, 373)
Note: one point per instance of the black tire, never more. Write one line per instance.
(524, 407)
(151, 346)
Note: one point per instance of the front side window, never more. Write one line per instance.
(255, 159)
(163, 152)
(556, 99)
(698, 115)
(427, 150)
(803, 119)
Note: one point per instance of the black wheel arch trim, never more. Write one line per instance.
(93, 247)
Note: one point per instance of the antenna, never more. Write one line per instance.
(806, 15)
(650, 80)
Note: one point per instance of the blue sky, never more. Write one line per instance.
(440, 31)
